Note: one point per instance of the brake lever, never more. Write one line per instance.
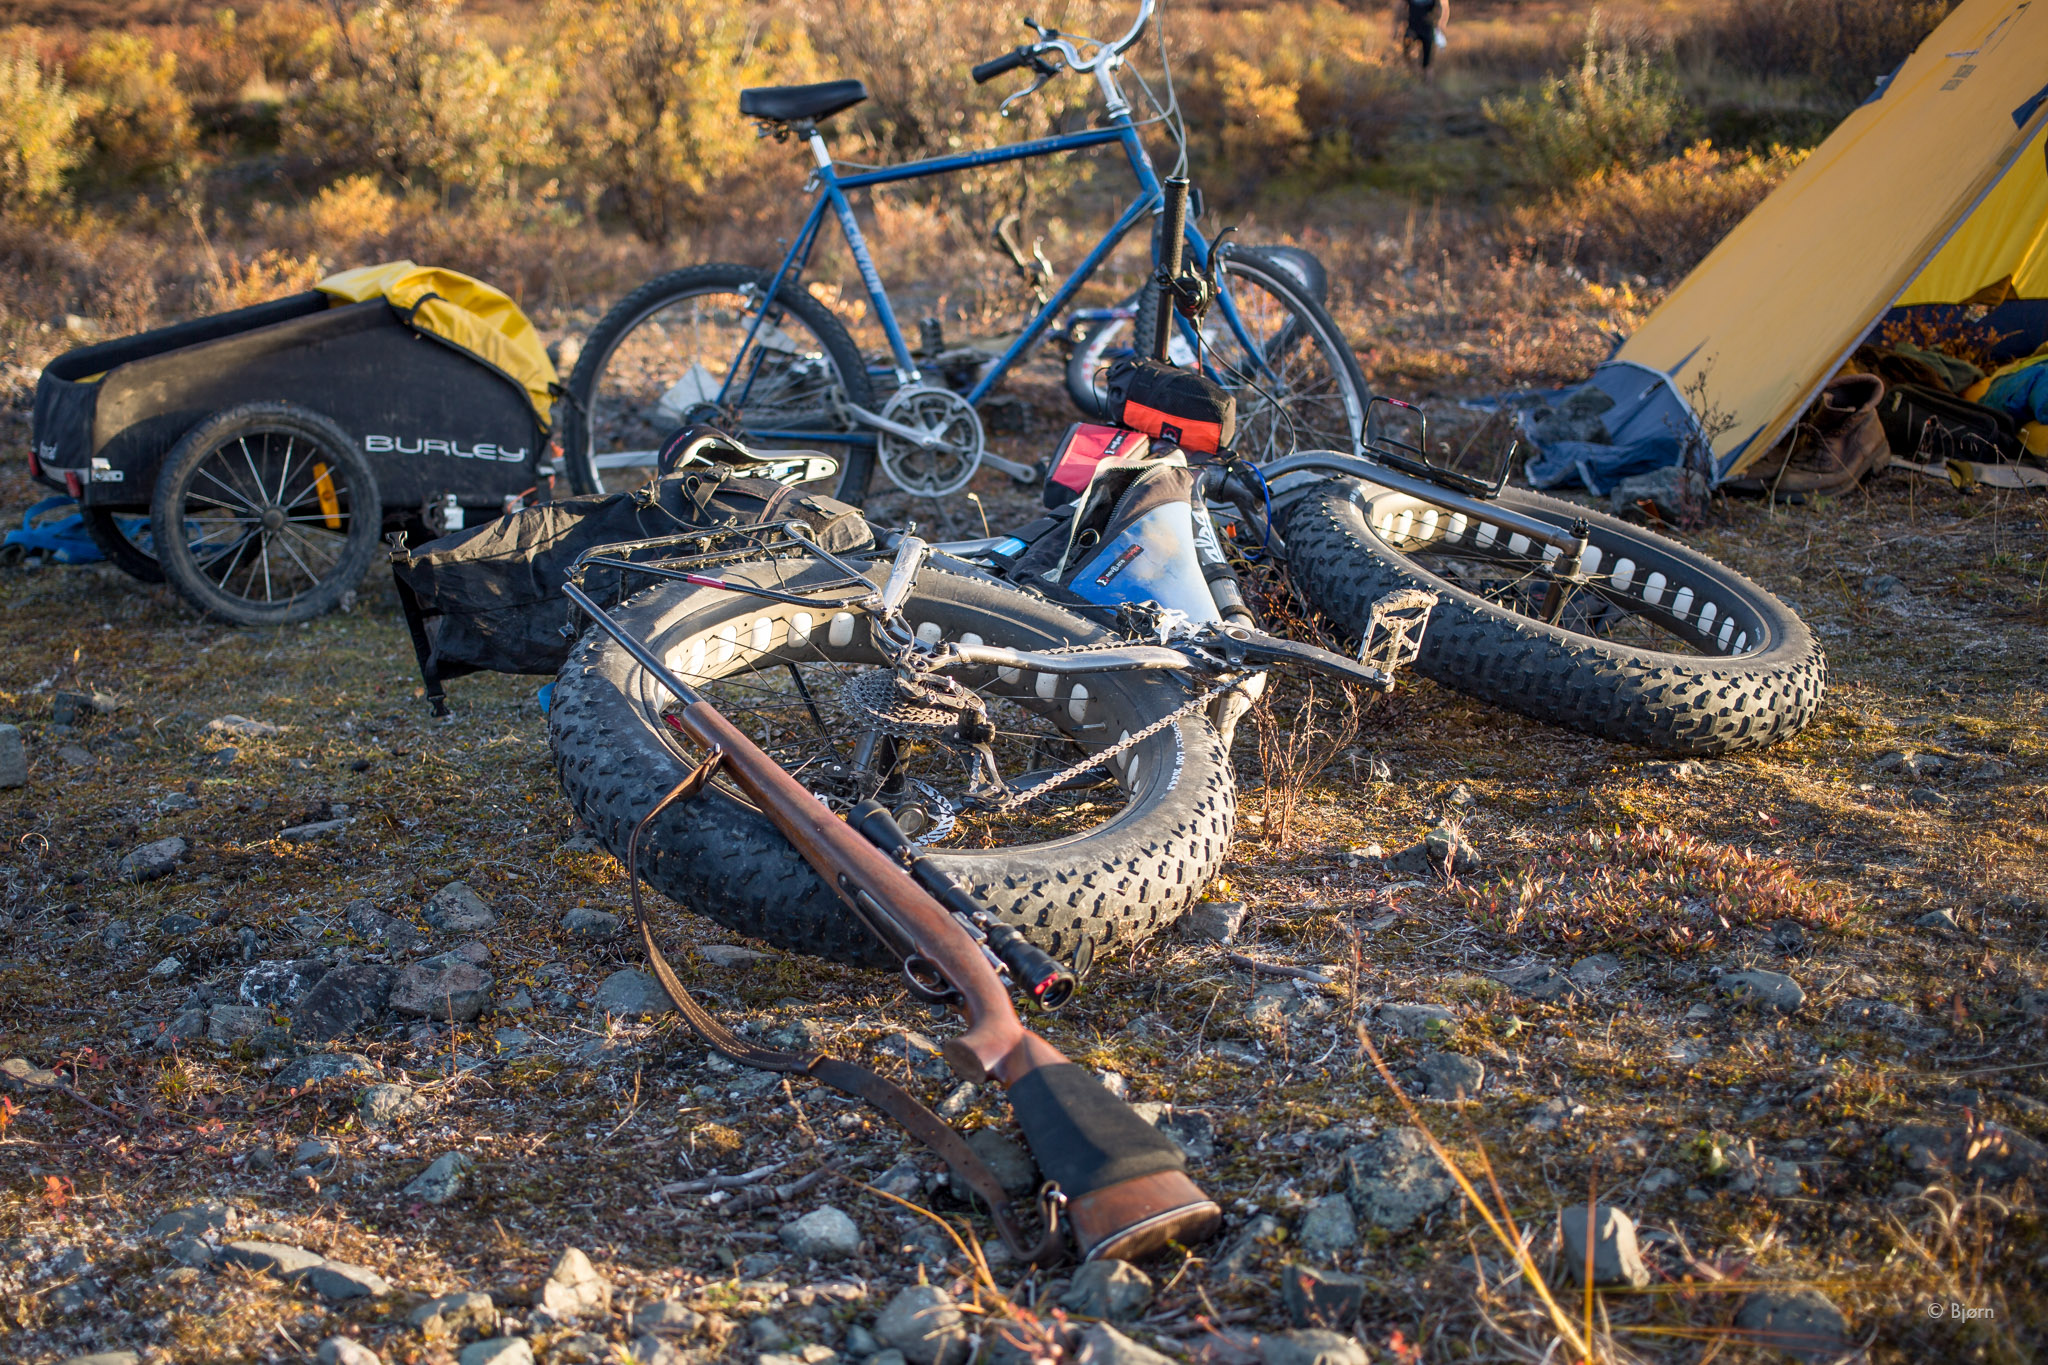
(1046, 71)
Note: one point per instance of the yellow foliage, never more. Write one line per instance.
(416, 95)
(272, 274)
(132, 110)
(350, 212)
(38, 128)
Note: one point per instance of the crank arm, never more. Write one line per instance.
(1023, 473)
(1256, 649)
(895, 428)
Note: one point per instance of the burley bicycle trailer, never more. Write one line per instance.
(271, 446)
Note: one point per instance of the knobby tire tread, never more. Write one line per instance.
(1691, 706)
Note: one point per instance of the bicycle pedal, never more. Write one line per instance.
(1393, 636)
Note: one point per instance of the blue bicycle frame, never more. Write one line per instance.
(831, 190)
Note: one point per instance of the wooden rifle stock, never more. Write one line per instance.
(1126, 1188)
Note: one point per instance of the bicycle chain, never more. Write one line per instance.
(1101, 756)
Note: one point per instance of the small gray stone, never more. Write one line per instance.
(315, 1156)
(1271, 1004)
(1772, 990)
(343, 1001)
(1419, 1020)
(1260, 1232)
(1006, 1160)
(218, 758)
(13, 758)
(18, 1073)
(227, 1025)
(731, 955)
(595, 925)
(1321, 1298)
(860, 1342)
(1617, 1260)
(271, 1258)
(825, 1234)
(1989, 1152)
(1191, 1129)
(312, 830)
(447, 987)
(1538, 981)
(1677, 493)
(77, 755)
(1443, 851)
(1942, 920)
(105, 1358)
(1115, 1290)
(1801, 1323)
(1788, 936)
(573, 1288)
(1395, 1181)
(338, 1282)
(194, 1220)
(655, 1351)
(76, 708)
(923, 1323)
(466, 1312)
(497, 1351)
(381, 1105)
(241, 727)
(192, 1252)
(1449, 1076)
(151, 861)
(1102, 1344)
(455, 909)
(346, 1351)
(280, 984)
(632, 993)
(672, 1315)
(1311, 1346)
(324, 1066)
(1883, 585)
(1329, 1226)
(442, 1181)
(1660, 1179)
(1590, 972)
(1216, 921)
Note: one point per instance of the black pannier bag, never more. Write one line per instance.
(489, 598)
(1922, 423)
(1184, 407)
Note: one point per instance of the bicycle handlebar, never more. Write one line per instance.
(1009, 61)
(1051, 40)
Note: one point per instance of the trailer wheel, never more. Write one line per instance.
(265, 514)
(126, 540)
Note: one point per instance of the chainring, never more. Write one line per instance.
(943, 467)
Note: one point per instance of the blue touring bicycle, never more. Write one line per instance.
(755, 353)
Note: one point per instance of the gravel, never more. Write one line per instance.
(825, 1234)
(1617, 1260)
(1115, 1290)
(1395, 1181)
(455, 909)
(573, 1288)
(631, 993)
(151, 861)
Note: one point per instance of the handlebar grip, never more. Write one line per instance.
(1173, 229)
(1126, 1183)
(1009, 61)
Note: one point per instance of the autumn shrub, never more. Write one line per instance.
(1659, 221)
(651, 109)
(349, 213)
(418, 97)
(1619, 107)
(1839, 47)
(132, 109)
(39, 140)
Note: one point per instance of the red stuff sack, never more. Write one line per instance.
(1184, 407)
(1085, 446)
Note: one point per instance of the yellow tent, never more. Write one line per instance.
(1934, 191)
(471, 314)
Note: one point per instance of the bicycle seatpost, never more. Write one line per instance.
(1173, 229)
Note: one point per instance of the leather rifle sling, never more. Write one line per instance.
(844, 1076)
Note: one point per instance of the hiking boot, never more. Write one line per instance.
(1839, 441)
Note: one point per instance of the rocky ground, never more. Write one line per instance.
(1779, 1017)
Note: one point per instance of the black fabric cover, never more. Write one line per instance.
(1084, 1138)
(489, 598)
(1922, 423)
